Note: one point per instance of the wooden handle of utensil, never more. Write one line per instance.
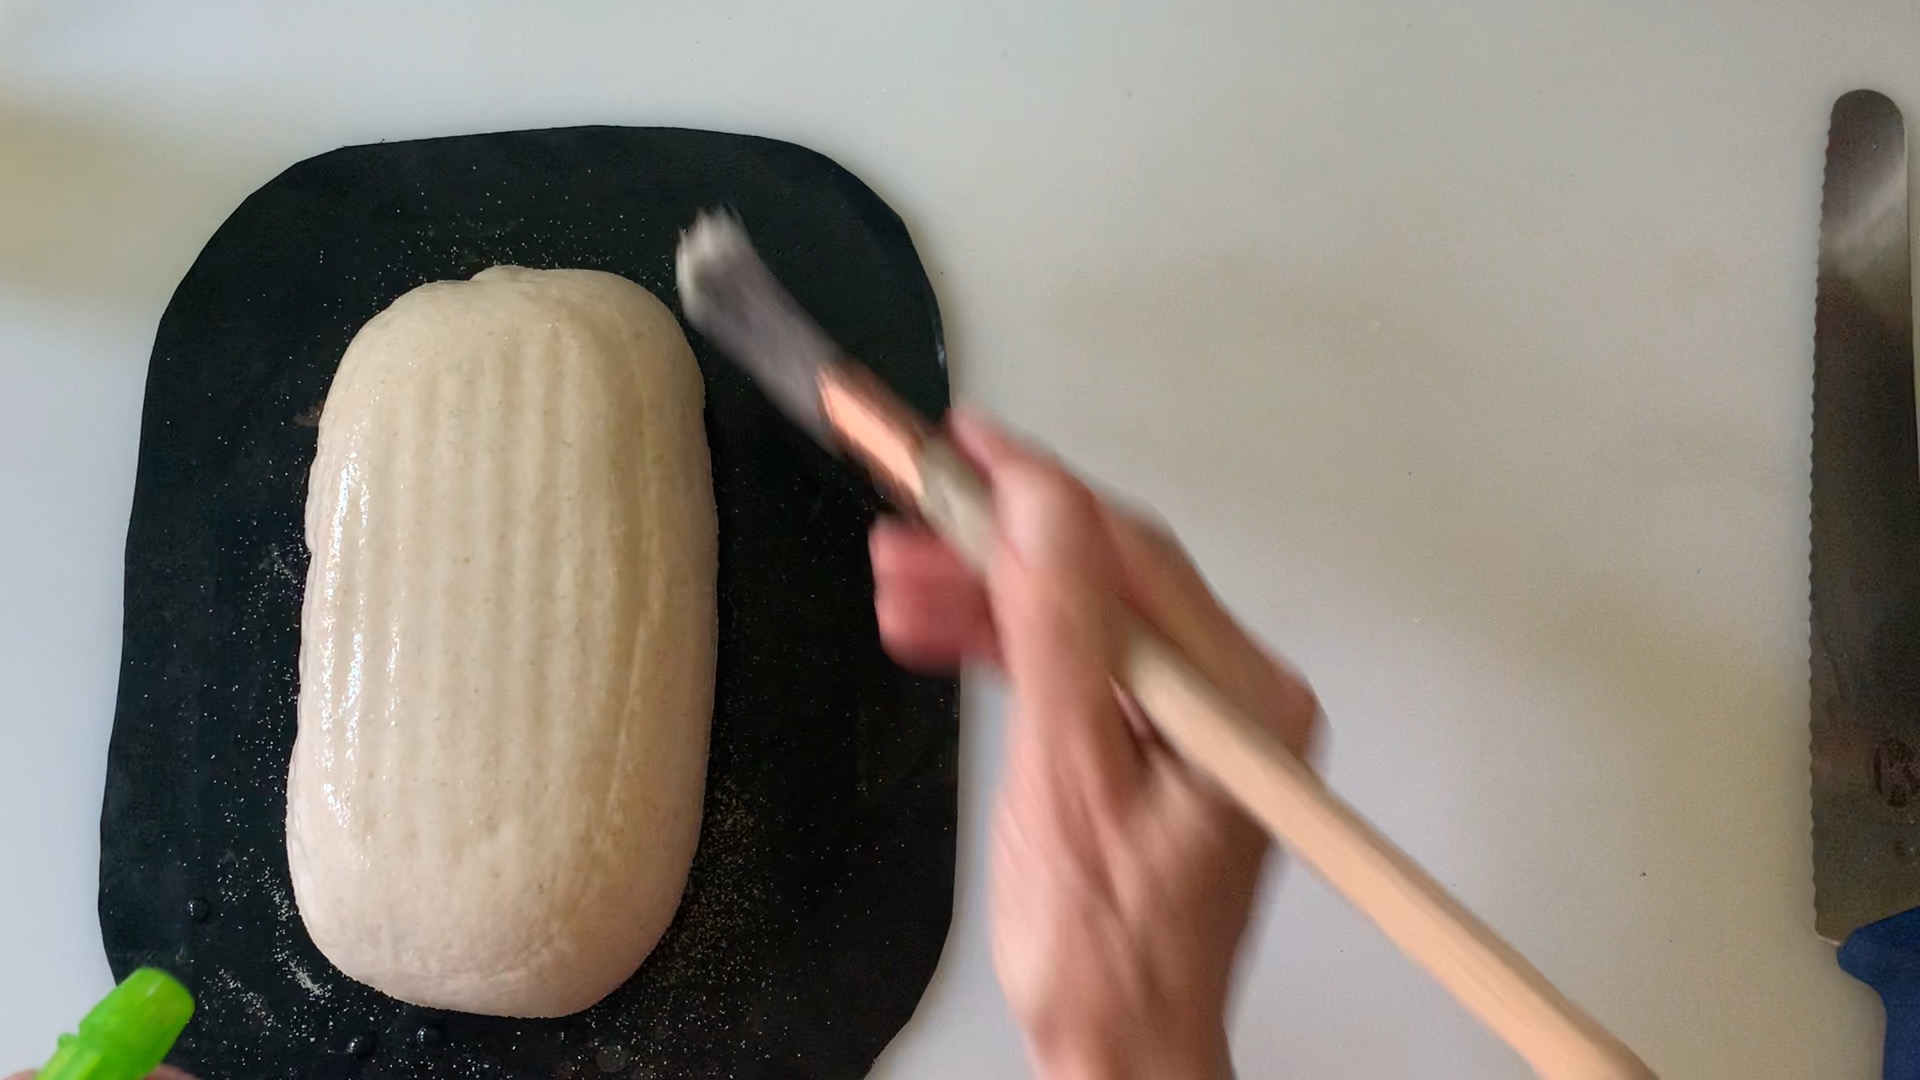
(1220, 739)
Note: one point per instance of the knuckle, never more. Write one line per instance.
(1152, 533)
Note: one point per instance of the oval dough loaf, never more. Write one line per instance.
(507, 646)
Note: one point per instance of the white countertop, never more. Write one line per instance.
(1467, 344)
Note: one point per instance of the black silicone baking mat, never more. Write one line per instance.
(820, 897)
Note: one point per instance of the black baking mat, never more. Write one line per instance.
(820, 896)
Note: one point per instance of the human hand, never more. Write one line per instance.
(1121, 880)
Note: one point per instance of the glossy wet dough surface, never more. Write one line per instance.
(507, 643)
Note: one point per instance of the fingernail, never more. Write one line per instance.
(977, 434)
(1026, 528)
(1038, 515)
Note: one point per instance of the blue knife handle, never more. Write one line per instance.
(1886, 956)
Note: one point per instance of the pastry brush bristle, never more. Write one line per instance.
(732, 298)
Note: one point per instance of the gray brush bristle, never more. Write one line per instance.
(731, 296)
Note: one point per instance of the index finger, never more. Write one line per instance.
(1053, 584)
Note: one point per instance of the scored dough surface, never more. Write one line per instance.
(507, 644)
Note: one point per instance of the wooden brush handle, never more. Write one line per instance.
(1250, 763)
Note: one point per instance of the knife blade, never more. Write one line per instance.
(1864, 577)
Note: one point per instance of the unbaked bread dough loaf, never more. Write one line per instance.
(507, 648)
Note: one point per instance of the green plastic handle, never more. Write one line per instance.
(127, 1034)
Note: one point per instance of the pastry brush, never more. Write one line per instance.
(731, 296)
